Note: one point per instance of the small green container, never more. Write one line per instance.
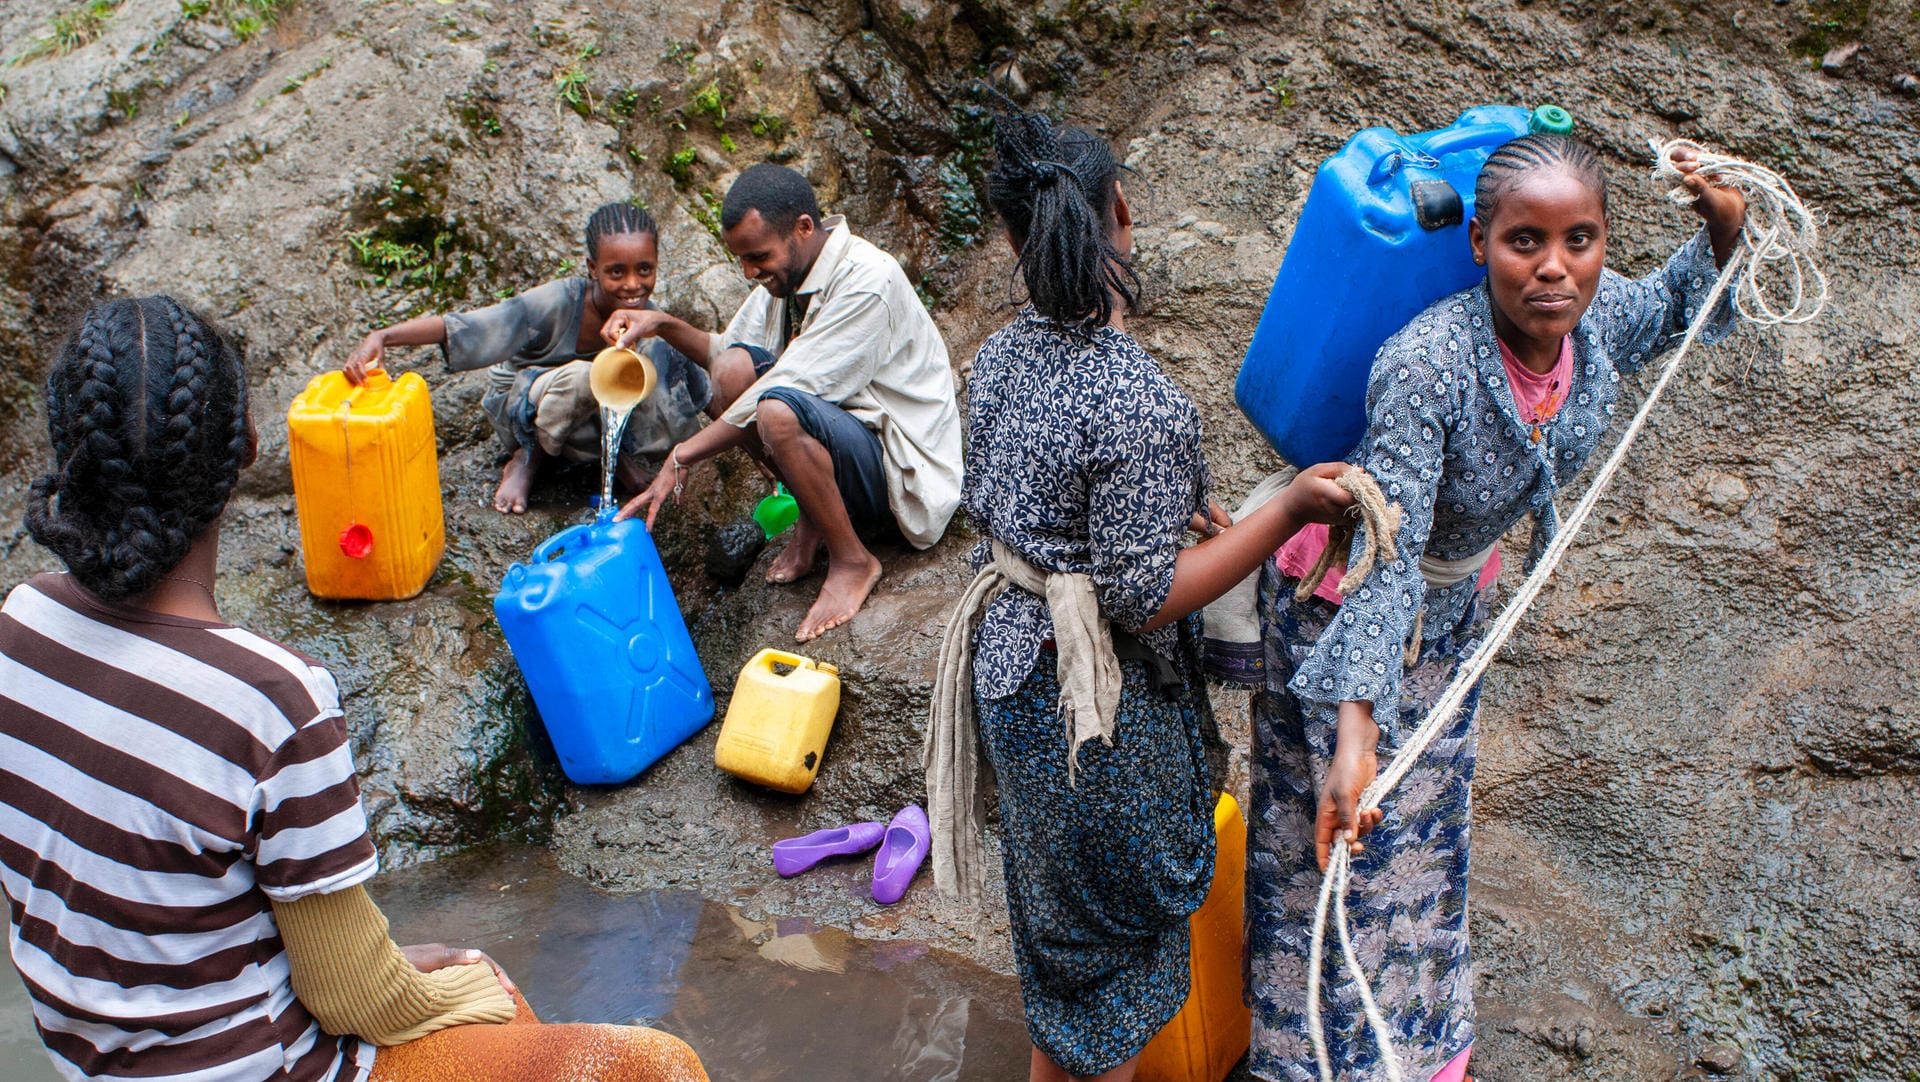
(776, 513)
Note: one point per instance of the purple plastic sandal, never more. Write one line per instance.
(791, 856)
(908, 840)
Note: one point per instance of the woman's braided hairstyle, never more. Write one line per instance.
(618, 220)
(147, 409)
(1538, 150)
(1054, 189)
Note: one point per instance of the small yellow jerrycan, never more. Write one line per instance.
(1213, 1030)
(778, 722)
(366, 483)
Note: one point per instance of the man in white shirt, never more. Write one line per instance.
(845, 389)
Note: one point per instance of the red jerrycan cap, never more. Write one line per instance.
(356, 541)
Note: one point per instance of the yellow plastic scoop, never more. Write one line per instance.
(620, 378)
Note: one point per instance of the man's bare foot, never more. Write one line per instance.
(628, 477)
(797, 558)
(845, 590)
(516, 483)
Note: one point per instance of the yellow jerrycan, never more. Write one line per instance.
(366, 483)
(778, 721)
(1213, 1029)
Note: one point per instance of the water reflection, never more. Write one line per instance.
(759, 999)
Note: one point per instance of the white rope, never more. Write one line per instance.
(1779, 229)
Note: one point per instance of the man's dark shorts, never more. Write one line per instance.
(859, 465)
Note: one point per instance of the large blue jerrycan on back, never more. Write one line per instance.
(1383, 234)
(596, 631)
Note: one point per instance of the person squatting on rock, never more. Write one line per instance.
(1084, 471)
(1479, 411)
(182, 843)
(537, 348)
(851, 403)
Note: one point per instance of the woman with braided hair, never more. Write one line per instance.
(1478, 411)
(536, 347)
(182, 845)
(1084, 471)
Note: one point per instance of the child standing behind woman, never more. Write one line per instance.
(1478, 412)
(1084, 470)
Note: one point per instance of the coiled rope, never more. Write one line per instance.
(1780, 235)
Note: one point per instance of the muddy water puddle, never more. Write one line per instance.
(760, 998)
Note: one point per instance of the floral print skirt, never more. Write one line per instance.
(1407, 902)
(1103, 873)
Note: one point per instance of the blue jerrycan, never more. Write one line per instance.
(595, 629)
(1383, 234)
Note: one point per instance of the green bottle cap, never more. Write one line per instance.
(1551, 119)
(776, 513)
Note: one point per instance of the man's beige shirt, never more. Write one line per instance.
(867, 345)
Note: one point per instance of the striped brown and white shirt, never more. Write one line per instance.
(161, 779)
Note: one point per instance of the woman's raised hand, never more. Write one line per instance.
(1722, 207)
(1315, 495)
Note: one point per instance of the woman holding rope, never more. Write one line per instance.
(1479, 410)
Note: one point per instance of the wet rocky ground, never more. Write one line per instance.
(1698, 755)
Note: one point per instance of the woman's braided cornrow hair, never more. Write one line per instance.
(618, 220)
(147, 410)
(1538, 150)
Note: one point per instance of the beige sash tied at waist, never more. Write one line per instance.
(1089, 701)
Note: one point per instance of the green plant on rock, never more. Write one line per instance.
(125, 102)
(623, 102)
(727, 144)
(245, 18)
(681, 53)
(570, 89)
(300, 80)
(476, 115)
(70, 30)
(679, 165)
(710, 101)
(1282, 91)
(705, 208)
(1831, 23)
(768, 126)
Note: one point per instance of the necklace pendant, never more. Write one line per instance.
(1536, 433)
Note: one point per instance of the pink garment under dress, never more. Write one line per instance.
(1456, 1068)
(1537, 397)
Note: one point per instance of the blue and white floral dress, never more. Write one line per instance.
(1084, 457)
(1446, 442)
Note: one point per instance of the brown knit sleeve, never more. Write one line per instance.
(351, 977)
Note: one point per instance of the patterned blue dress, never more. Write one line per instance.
(1084, 457)
(1447, 444)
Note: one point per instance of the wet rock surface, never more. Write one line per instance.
(1695, 756)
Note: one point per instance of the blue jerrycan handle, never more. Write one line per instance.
(559, 542)
(1428, 156)
(1482, 135)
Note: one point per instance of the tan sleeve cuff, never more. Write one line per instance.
(463, 995)
(351, 977)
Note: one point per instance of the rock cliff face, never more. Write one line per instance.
(1699, 756)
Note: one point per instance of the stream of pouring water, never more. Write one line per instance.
(613, 426)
